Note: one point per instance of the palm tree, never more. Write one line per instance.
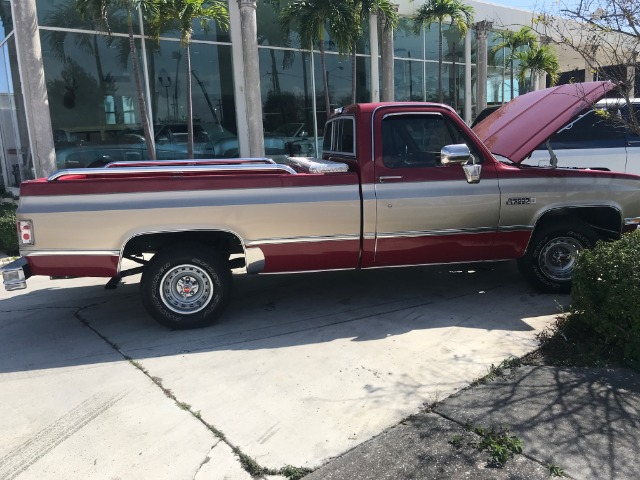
(437, 11)
(185, 13)
(99, 11)
(310, 17)
(362, 10)
(513, 41)
(538, 59)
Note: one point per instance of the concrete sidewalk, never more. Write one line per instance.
(584, 421)
(299, 371)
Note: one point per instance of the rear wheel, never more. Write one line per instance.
(186, 286)
(552, 254)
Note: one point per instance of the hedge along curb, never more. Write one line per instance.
(606, 295)
(8, 231)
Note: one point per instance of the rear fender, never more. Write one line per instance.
(226, 242)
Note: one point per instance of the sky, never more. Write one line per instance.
(524, 4)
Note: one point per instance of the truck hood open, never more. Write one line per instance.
(517, 128)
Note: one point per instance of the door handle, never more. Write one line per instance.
(383, 179)
(633, 142)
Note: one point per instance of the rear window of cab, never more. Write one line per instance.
(339, 135)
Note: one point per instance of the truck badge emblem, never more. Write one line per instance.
(521, 201)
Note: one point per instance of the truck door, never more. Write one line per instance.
(426, 212)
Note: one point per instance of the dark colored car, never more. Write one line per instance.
(484, 114)
(96, 148)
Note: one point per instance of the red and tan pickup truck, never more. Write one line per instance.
(398, 184)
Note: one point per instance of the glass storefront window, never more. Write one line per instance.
(406, 44)
(454, 94)
(214, 116)
(213, 33)
(64, 14)
(339, 81)
(93, 99)
(452, 44)
(6, 19)
(269, 29)
(409, 80)
(431, 81)
(15, 151)
(287, 102)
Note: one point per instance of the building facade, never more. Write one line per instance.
(68, 96)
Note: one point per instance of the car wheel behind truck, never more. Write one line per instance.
(186, 286)
(552, 254)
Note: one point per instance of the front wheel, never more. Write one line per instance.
(186, 287)
(551, 257)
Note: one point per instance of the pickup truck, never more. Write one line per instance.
(397, 184)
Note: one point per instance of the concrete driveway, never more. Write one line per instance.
(301, 368)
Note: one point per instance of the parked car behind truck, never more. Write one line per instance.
(96, 148)
(594, 140)
(398, 184)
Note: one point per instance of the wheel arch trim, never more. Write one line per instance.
(254, 257)
(565, 211)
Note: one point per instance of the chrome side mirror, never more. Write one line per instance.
(455, 155)
(460, 155)
(472, 172)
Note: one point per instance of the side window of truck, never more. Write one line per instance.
(415, 140)
(339, 136)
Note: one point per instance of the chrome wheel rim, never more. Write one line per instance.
(558, 258)
(186, 289)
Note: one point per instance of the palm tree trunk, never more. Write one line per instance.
(151, 151)
(358, 9)
(325, 79)
(275, 79)
(353, 75)
(531, 81)
(189, 101)
(440, 95)
(511, 77)
(99, 70)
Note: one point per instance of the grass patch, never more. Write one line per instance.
(501, 370)
(499, 443)
(293, 473)
(555, 470)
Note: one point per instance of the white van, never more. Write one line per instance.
(593, 141)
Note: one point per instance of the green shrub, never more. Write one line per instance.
(8, 232)
(606, 296)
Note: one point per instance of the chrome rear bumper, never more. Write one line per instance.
(15, 274)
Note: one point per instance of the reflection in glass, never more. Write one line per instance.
(6, 19)
(214, 115)
(15, 153)
(339, 79)
(409, 80)
(287, 102)
(214, 33)
(94, 105)
(269, 30)
(454, 95)
(81, 70)
(406, 43)
(92, 99)
(64, 14)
